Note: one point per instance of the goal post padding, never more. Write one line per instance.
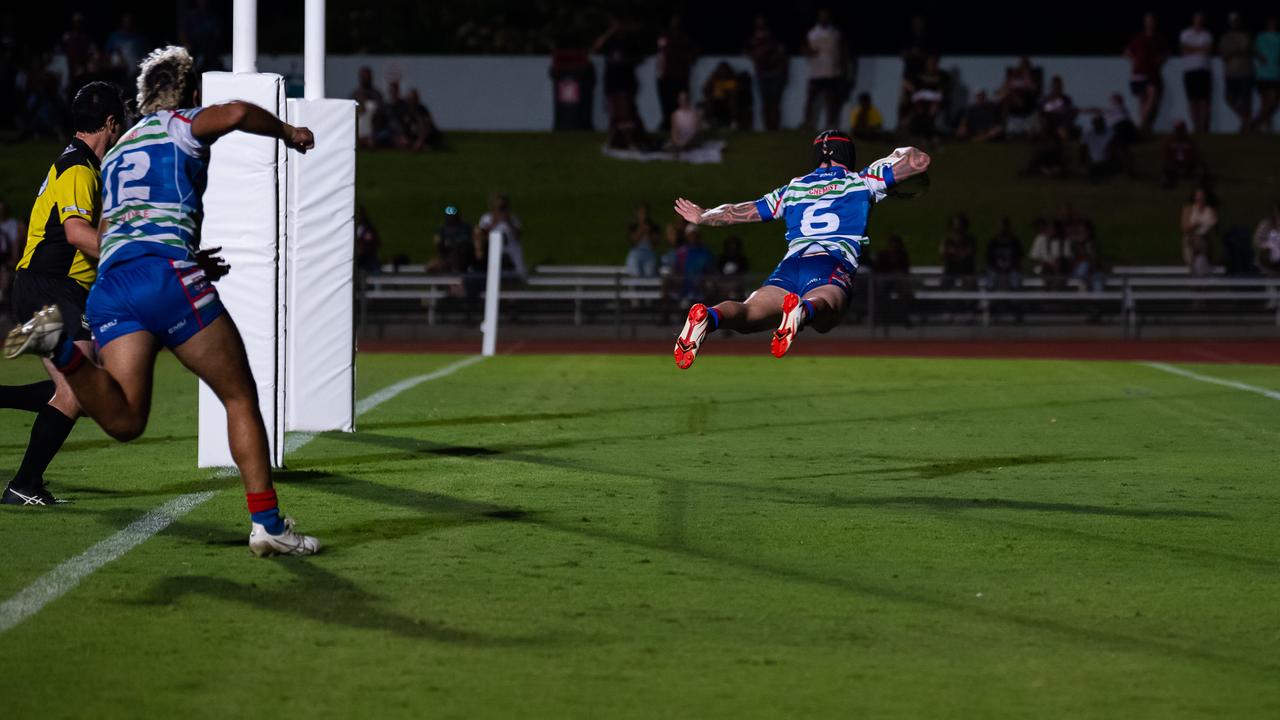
(243, 214)
(320, 342)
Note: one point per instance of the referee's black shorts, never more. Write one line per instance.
(33, 290)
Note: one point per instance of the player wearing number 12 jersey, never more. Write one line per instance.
(826, 213)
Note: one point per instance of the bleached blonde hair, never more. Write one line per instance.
(162, 79)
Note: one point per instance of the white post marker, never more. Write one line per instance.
(493, 286)
(244, 38)
(313, 51)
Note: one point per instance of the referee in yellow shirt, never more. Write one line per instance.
(58, 265)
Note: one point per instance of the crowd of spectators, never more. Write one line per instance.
(392, 120)
(687, 268)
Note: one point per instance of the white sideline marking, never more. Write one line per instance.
(1215, 380)
(67, 575)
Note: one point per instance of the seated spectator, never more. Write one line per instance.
(388, 125)
(1098, 149)
(1049, 250)
(501, 219)
(685, 125)
(893, 282)
(958, 251)
(368, 100)
(982, 121)
(698, 263)
(929, 92)
(1057, 112)
(1199, 219)
(626, 132)
(1086, 267)
(1238, 254)
(865, 121)
(367, 243)
(720, 96)
(1004, 259)
(642, 235)
(454, 246)
(1181, 156)
(1020, 95)
(1266, 241)
(420, 128)
(1124, 132)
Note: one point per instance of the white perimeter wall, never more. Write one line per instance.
(478, 92)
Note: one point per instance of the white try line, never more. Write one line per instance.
(1215, 380)
(66, 576)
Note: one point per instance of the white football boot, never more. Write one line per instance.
(691, 337)
(264, 544)
(37, 336)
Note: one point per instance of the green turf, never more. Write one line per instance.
(608, 537)
(576, 205)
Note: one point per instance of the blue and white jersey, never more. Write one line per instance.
(829, 208)
(153, 181)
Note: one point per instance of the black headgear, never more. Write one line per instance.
(834, 146)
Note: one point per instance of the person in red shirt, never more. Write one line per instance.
(1147, 52)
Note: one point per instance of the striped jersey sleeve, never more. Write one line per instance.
(178, 127)
(879, 177)
(770, 206)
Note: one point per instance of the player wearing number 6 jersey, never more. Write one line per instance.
(154, 285)
(826, 215)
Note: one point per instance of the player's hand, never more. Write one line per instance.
(689, 211)
(215, 268)
(300, 139)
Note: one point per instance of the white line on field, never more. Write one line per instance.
(66, 576)
(1215, 380)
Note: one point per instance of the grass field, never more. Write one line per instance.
(576, 204)
(604, 536)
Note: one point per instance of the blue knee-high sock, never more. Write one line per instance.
(714, 316)
(808, 310)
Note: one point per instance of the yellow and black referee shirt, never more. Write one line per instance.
(73, 188)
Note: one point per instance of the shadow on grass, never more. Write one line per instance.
(325, 597)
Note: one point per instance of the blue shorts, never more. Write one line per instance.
(801, 273)
(170, 299)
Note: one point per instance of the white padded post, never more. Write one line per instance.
(243, 215)
(492, 287)
(320, 338)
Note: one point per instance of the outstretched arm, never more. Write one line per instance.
(217, 120)
(908, 162)
(743, 212)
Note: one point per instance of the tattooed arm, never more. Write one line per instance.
(743, 212)
(908, 162)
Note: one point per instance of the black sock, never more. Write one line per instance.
(31, 397)
(49, 431)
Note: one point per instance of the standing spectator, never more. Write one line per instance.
(916, 48)
(1197, 46)
(1004, 259)
(959, 251)
(1098, 149)
(201, 32)
(1147, 53)
(125, 47)
(893, 282)
(1124, 132)
(367, 243)
(865, 121)
(617, 46)
(685, 125)
(1267, 72)
(772, 70)
(643, 234)
(1236, 48)
(825, 47)
(501, 219)
(1048, 250)
(13, 236)
(1199, 219)
(929, 92)
(420, 128)
(1020, 95)
(454, 248)
(720, 96)
(368, 101)
(1057, 112)
(675, 59)
(1266, 242)
(1181, 156)
(982, 121)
